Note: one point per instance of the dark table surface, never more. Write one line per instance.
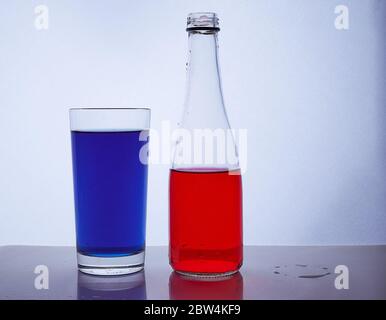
(269, 272)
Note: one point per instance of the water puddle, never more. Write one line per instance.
(302, 271)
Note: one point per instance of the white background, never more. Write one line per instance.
(311, 97)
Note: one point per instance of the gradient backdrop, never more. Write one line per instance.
(312, 98)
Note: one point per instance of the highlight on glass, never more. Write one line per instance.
(109, 157)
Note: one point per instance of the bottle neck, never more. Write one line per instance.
(204, 92)
(203, 51)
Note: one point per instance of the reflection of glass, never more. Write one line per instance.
(110, 182)
(183, 287)
(126, 287)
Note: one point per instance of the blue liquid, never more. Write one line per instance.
(110, 185)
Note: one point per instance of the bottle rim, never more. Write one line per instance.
(202, 21)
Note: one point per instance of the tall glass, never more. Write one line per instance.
(109, 157)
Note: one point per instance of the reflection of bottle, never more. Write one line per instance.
(183, 287)
(205, 181)
(127, 287)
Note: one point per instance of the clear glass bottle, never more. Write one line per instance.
(205, 195)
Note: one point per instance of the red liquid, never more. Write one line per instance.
(205, 221)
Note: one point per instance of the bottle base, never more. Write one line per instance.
(204, 264)
(207, 274)
(111, 266)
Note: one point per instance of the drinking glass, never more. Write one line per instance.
(109, 158)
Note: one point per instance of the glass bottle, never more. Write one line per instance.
(205, 191)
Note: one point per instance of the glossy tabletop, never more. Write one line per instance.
(269, 272)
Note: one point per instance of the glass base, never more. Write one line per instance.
(207, 275)
(111, 266)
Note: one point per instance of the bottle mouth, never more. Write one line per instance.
(203, 21)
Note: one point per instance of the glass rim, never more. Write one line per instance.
(105, 108)
(104, 119)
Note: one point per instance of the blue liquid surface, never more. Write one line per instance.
(110, 185)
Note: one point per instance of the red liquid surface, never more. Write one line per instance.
(205, 221)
